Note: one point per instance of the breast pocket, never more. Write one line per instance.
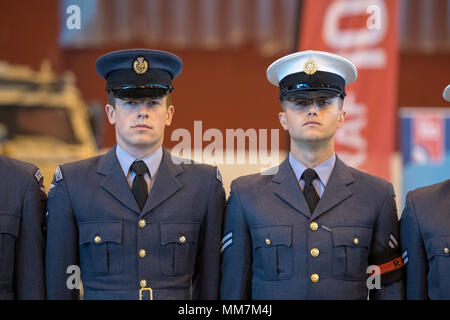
(438, 254)
(178, 249)
(101, 250)
(9, 231)
(272, 251)
(351, 251)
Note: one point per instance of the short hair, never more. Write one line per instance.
(112, 99)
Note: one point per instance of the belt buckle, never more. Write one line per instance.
(146, 289)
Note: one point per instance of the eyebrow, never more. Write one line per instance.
(142, 100)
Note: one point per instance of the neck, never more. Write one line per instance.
(312, 154)
(139, 152)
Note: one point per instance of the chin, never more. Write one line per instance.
(310, 138)
(145, 144)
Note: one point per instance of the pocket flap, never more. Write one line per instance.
(438, 246)
(180, 233)
(100, 232)
(352, 236)
(263, 236)
(9, 224)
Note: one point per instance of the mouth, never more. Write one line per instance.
(141, 126)
(312, 123)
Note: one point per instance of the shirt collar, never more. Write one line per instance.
(152, 161)
(323, 170)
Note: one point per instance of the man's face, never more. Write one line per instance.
(312, 120)
(140, 124)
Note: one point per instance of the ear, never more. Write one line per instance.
(282, 117)
(170, 110)
(111, 113)
(341, 117)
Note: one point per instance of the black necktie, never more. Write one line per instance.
(311, 196)
(139, 186)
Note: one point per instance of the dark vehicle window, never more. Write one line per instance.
(37, 120)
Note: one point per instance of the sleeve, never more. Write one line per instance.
(385, 251)
(29, 273)
(414, 254)
(236, 252)
(62, 258)
(206, 277)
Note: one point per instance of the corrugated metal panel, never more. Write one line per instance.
(206, 24)
(271, 25)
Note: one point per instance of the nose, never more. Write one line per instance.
(313, 109)
(143, 111)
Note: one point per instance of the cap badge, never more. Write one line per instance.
(140, 65)
(310, 67)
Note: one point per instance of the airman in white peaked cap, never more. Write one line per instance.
(311, 74)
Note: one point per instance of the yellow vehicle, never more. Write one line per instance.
(43, 119)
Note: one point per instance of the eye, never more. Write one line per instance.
(302, 103)
(131, 103)
(153, 103)
(323, 102)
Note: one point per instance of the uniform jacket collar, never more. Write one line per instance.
(114, 181)
(287, 188)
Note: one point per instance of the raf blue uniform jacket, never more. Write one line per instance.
(425, 238)
(270, 234)
(22, 240)
(94, 222)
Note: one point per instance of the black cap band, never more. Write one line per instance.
(128, 78)
(138, 93)
(327, 82)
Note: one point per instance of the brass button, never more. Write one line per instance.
(143, 283)
(315, 277)
(97, 239)
(315, 252)
(142, 223)
(314, 226)
(446, 250)
(355, 241)
(182, 239)
(142, 253)
(268, 242)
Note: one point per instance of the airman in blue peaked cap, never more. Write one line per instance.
(139, 73)
(137, 222)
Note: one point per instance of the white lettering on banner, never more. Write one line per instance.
(350, 134)
(341, 39)
(366, 59)
(363, 46)
(374, 21)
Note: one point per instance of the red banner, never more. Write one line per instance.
(365, 32)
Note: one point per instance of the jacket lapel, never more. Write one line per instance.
(115, 182)
(336, 190)
(166, 183)
(287, 187)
